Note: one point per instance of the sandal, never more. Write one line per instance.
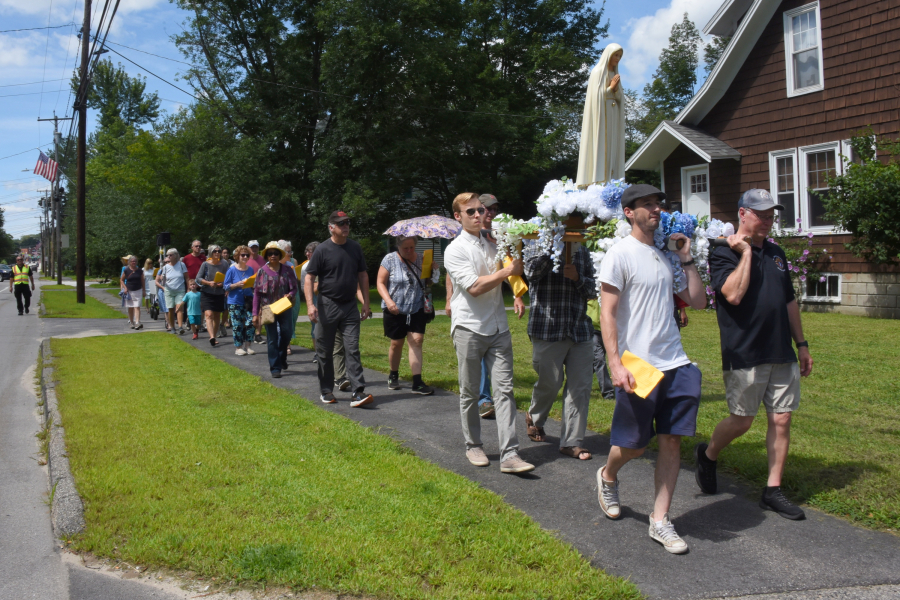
(536, 434)
(575, 452)
(289, 351)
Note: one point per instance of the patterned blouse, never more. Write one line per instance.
(403, 286)
(269, 289)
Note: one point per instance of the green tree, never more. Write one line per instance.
(864, 202)
(712, 52)
(119, 97)
(674, 80)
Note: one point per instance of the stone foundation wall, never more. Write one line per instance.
(865, 294)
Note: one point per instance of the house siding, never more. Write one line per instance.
(861, 46)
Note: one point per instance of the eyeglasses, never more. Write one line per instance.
(271, 254)
(245, 255)
(760, 217)
(195, 246)
(345, 223)
(472, 211)
(216, 250)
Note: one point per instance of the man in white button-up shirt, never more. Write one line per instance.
(479, 329)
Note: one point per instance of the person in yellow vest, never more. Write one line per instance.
(18, 284)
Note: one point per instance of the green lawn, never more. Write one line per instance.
(58, 304)
(242, 481)
(55, 286)
(845, 436)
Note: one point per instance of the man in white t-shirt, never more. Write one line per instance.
(480, 330)
(637, 303)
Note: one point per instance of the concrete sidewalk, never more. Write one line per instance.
(736, 550)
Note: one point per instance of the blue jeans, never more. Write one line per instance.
(485, 385)
(278, 339)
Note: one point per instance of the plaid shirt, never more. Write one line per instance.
(558, 305)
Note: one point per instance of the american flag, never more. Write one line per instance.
(45, 167)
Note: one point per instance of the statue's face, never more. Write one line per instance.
(614, 59)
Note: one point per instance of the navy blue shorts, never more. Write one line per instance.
(671, 408)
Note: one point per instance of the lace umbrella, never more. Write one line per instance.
(432, 226)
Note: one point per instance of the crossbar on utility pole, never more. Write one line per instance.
(57, 212)
(81, 106)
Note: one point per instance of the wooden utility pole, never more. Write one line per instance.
(57, 213)
(81, 107)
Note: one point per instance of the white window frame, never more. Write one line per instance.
(801, 169)
(773, 181)
(789, 50)
(826, 299)
(686, 185)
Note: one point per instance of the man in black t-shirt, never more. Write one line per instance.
(339, 264)
(758, 315)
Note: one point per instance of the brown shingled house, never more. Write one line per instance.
(797, 80)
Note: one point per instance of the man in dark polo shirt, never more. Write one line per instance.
(339, 264)
(758, 315)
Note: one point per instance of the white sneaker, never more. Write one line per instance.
(240, 352)
(477, 457)
(250, 351)
(514, 464)
(665, 535)
(608, 495)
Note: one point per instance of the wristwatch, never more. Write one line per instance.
(803, 344)
(688, 263)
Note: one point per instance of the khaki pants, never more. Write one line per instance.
(497, 352)
(549, 359)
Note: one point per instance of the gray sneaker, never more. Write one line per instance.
(665, 535)
(477, 457)
(514, 464)
(608, 495)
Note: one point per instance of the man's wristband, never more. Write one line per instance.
(688, 263)
(803, 344)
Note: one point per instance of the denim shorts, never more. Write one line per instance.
(671, 408)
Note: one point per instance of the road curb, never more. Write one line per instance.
(66, 507)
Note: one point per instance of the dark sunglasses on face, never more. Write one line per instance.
(245, 255)
(472, 211)
(216, 251)
(271, 254)
(343, 223)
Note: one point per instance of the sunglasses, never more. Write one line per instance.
(271, 254)
(345, 223)
(214, 251)
(245, 255)
(472, 211)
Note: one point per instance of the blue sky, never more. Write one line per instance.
(49, 56)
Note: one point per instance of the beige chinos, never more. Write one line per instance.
(549, 359)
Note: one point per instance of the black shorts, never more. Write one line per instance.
(397, 326)
(213, 302)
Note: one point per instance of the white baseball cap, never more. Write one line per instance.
(252, 243)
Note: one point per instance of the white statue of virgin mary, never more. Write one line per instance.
(602, 153)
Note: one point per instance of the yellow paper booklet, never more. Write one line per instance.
(646, 376)
(219, 278)
(280, 306)
(519, 287)
(155, 271)
(299, 268)
(250, 281)
(427, 261)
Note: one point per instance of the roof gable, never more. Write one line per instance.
(725, 21)
(668, 135)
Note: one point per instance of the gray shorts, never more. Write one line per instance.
(778, 386)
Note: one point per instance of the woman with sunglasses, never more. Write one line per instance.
(402, 290)
(240, 301)
(273, 282)
(212, 292)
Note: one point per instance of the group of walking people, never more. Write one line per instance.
(757, 313)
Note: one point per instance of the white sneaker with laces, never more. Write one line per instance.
(250, 350)
(665, 534)
(240, 352)
(477, 457)
(608, 495)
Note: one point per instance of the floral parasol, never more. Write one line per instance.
(432, 226)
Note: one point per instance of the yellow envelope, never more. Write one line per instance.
(427, 261)
(155, 271)
(219, 278)
(280, 306)
(519, 287)
(646, 376)
(250, 281)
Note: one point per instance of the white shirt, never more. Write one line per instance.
(173, 276)
(645, 316)
(467, 258)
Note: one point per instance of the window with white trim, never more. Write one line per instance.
(783, 183)
(803, 50)
(827, 288)
(816, 165)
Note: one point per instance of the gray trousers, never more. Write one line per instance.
(340, 365)
(498, 356)
(604, 381)
(549, 359)
(334, 317)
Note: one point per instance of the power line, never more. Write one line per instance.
(22, 152)
(155, 75)
(65, 62)
(31, 82)
(151, 54)
(44, 74)
(36, 28)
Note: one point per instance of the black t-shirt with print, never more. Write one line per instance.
(337, 266)
(756, 331)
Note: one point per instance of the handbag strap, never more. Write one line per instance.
(408, 265)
